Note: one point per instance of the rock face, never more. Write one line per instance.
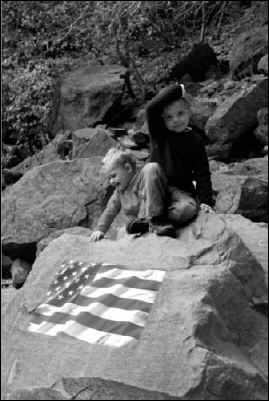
(89, 142)
(243, 189)
(87, 96)
(49, 153)
(85, 232)
(254, 235)
(201, 111)
(263, 65)
(236, 116)
(53, 196)
(247, 50)
(202, 340)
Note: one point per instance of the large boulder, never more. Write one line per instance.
(76, 230)
(247, 50)
(256, 15)
(113, 233)
(242, 188)
(202, 340)
(49, 153)
(87, 96)
(236, 116)
(254, 235)
(50, 197)
(89, 142)
(201, 110)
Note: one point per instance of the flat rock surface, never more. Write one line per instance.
(202, 340)
(254, 235)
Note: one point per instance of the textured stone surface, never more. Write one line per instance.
(85, 232)
(48, 154)
(87, 96)
(90, 142)
(263, 65)
(202, 340)
(242, 188)
(201, 110)
(254, 235)
(237, 114)
(248, 48)
(51, 197)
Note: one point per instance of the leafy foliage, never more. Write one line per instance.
(41, 39)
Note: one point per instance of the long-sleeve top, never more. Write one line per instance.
(182, 156)
(128, 200)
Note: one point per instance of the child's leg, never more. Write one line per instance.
(183, 207)
(154, 191)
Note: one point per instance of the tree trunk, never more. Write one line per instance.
(140, 82)
(128, 62)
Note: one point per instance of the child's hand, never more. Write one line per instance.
(96, 236)
(207, 209)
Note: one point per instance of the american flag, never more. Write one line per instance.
(97, 302)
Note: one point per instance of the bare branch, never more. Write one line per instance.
(223, 7)
(70, 27)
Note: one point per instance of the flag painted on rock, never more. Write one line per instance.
(98, 303)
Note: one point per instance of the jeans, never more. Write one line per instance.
(157, 198)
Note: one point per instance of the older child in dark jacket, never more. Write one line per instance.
(181, 153)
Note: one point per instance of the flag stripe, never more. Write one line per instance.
(112, 272)
(110, 299)
(120, 291)
(89, 335)
(132, 282)
(97, 309)
(89, 320)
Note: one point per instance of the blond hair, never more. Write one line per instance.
(118, 156)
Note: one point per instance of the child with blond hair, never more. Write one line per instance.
(142, 195)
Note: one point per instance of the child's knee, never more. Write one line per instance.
(152, 171)
(150, 168)
(183, 211)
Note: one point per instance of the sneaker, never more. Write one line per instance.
(138, 226)
(161, 225)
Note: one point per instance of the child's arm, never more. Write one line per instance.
(155, 127)
(112, 209)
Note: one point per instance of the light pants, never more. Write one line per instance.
(158, 198)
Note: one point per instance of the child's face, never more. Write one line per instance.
(120, 176)
(176, 116)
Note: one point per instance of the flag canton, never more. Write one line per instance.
(71, 279)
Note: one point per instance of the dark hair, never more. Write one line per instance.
(155, 108)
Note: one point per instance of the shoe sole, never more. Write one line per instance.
(168, 233)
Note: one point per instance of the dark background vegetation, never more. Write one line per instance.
(43, 39)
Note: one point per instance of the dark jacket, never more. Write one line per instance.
(182, 156)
